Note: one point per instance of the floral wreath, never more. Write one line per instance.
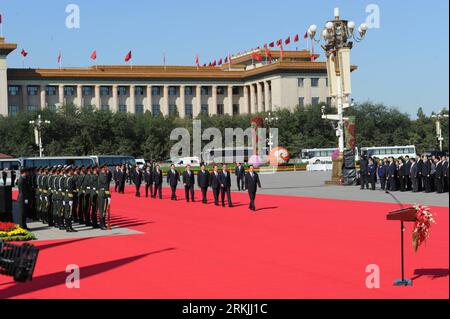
(421, 231)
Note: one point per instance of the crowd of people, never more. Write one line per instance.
(422, 174)
(152, 178)
(12, 175)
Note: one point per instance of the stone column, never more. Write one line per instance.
(213, 108)
(80, 96)
(267, 102)
(260, 97)
(245, 110)
(182, 109)
(165, 106)
(132, 99)
(24, 98)
(198, 105)
(149, 99)
(252, 99)
(61, 95)
(42, 95)
(115, 100)
(98, 98)
(229, 105)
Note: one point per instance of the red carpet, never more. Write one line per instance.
(292, 247)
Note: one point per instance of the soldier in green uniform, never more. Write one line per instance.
(69, 196)
(38, 193)
(62, 195)
(87, 196)
(55, 196)
(76, 174)
(94, 197)
(47, 184)
(104, 195)
(81, 193)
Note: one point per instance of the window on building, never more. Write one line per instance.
(105, 107)
(173, 109)
(188, 90)
(220, 90)
(315, 101)
(139, 110)
(87, 90)
(13, 90)
(172, 90)
(33, 108)
(156, 109)
(188, 110)
(50, 90)
(329, 101)
(122, 90)
(205, 109)
(235, 109)
(69, 91)
(220, 109)
(13, 110)
(236, 90)
(314, 82)
(104, 90)
(51, 108)
(301, 101)
(139, 90)
(205, 90)
(32, 90)
(301, 82)
(122, 108)
(326, 82)
(156, 90)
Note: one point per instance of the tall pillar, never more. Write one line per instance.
(5, 49)
(198, 103)
(132, 99)
(267, 102)
(24, 98)
(98, 98)
(182, 108)
(229, 106)
(148, 106)
(252, 99)
(61, 95)
(42, 97)
(165, 106)
(213, 108)
(115, 100)
(80, 95)
(260, 97)
(245, 110)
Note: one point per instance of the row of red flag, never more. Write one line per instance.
(93, 56)
(258, 56)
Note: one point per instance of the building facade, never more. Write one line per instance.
(241, 87)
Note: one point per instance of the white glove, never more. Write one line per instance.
(109, 200)
(26, 201)
(41, 198)
(70, 203)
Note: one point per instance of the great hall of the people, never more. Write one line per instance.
(240, 87)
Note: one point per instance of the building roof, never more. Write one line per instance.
(4, 156)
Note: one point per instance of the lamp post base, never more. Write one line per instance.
(336, 176)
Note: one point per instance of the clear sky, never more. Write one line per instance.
(404, 63)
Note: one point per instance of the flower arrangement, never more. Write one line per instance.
(12, 232)
(421, 231)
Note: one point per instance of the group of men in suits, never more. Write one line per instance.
(12, 174)
(218, 180)
(424, 173)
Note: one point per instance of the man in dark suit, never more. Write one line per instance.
(240, 175)
(122, 177)
(391, 174)
(363, 172)
(413, 175)
(158, 180)
(401, 170)
(445, 173)
(148, 179)
(173, 177)
(189, 182)
(371, 173)
(116, 178)
(251, 184)
(426, 174)
(214, 182)
(137, 180)
(13, 177)
(439, 175)
(225, 185)
(4, 176)
(23, 199)
(203, 183)
(419, 174)
(408, 184)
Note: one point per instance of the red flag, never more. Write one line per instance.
(306, 35)
(257, 56)
(59, 57)
(288, 40)
(204, 65)
(271, 44)
(196, 60)
(268, 55)
(280, 42)
(296, 38)
(94, 55)
(226, 60)
(220, 62)
(128, 56)
(24, 53)
(1, 19)
(214, 63)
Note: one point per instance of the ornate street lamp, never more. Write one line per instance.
(338, 36)
(269, 121)
(38, 124)
(440, 116)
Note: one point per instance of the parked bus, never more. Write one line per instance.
(30, 162)
(322, 156)
(113, 160)
(10, 164)
(229, 155)
(387, 151)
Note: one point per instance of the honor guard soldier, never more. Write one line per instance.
(80, 195)
(87, 196)
(55, 196)
(104, 195)
(94, 197)
(50, 196)
(75, 176)
(38, 193)
(69, 196)
(62, 195)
